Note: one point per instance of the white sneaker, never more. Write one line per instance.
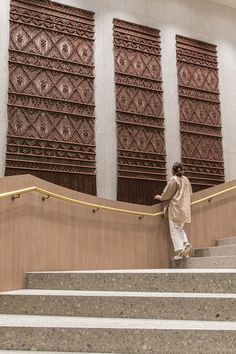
(178, 257)
(186, 250)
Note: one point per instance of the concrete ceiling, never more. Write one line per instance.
(229, 3)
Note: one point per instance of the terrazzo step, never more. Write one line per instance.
(33, 352)
(227, 262)
(176, 306)
(215, 251)
(226, 241)
(37, 352)
(74, 334)
(164, 280)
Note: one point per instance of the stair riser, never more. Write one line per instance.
(149, 282)
(215, 251)
(121, 307)
(118, 340)
(206, 263)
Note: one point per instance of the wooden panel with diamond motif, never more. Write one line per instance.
(51, 94)
(139, 112)
(200, 117)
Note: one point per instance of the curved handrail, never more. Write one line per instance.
(18, 192)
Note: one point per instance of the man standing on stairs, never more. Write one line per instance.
(177, 195)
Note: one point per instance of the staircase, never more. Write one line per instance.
(222, 256)
(171, 311)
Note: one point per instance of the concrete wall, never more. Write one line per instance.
(199, 19)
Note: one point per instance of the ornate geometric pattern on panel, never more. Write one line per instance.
(200, 119)
(139, 112)
(51, 94)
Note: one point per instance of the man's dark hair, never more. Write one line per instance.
(178, 169)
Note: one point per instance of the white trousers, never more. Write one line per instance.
(178, 235)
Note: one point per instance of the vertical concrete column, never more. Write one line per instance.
(171, 105)
(106, 142)
(227, 74)
(4, 43)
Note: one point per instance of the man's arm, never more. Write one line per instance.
(168, 192)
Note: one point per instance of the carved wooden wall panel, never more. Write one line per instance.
(139, 112)
(51, 94)
(200, 117)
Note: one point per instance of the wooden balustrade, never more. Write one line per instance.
(37, 235)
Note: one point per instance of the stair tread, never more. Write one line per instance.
(223, 256)
(226, 241)
(94, 293)
(209, 257)
(138, 271)
(32, 352)
(227, 238)
(215, 261)
(214, 247)
(111, 323)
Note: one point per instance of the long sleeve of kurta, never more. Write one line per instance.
(177, 194)
(169, 190)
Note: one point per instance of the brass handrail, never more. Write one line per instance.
(98, 206)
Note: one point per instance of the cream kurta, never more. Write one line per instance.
(178, 193)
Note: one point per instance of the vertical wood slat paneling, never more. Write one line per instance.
(200, 117)
(139, 112)
(38, 235)
(51, 94)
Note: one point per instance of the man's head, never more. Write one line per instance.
(177, 169)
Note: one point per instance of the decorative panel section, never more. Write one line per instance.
(200, 118)
(51, 94)
(139, 112)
